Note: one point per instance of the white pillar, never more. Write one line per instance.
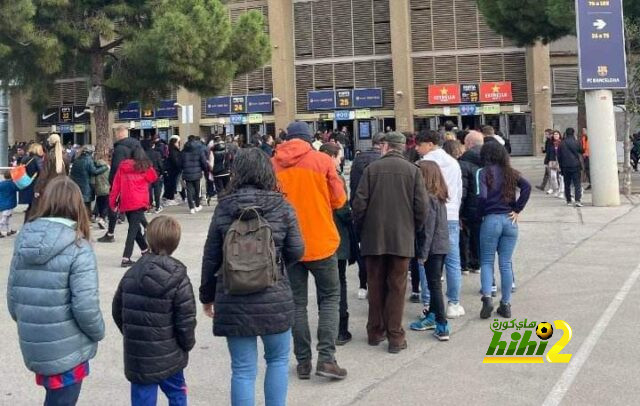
(601, 126)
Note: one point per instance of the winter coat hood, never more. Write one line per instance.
(158, 274)
(291, 152)
(42, 239)
(191, 146)
(472, 156)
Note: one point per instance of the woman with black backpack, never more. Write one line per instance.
(241, 317)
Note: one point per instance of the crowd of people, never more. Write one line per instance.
(428, 205)
(566, 161)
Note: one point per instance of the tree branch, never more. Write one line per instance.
(113, 44)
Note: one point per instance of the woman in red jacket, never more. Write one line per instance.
(130, 195)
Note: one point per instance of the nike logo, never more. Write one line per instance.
(76, 115)
(45, 117)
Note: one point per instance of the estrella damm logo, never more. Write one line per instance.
(528, 343)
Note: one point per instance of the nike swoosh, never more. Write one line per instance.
(47, 116)
(76, 115)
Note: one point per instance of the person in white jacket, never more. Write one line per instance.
(428, 146)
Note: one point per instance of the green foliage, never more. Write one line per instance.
(528, 21)
(142, 47)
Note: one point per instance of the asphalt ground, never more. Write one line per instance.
(576, 265)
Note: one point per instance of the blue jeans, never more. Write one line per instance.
(244, 368)
(452, 263)
(174, 387)
(425, 297)
(497, 234)
(66, 396)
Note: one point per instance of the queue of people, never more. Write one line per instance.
(451, 211)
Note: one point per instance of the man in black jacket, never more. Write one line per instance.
(155, 189)
(470, 163)
(360, 163)
(194, 162)
(122, 149)
(569, 153)
(154, 308)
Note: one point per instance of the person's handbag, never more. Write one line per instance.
(20, 177)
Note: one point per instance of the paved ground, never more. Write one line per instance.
(570, 265)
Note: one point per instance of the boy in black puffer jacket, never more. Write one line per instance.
(154, 308)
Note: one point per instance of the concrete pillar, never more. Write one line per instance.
(4, 126)
(282, 61)
(402, 65)
(603, 160)
(539, 89)
(187, 98)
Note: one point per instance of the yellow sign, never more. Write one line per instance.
(163, 123)
(491, 109)
(364, 114)
(255, 119)
(79, 128)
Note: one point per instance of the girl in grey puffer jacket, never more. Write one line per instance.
(52, 292)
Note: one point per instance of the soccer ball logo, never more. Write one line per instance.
(544, 330)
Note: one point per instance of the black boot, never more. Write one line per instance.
(344, 336)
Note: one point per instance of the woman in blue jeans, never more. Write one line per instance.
(267, 314)
(500, 207)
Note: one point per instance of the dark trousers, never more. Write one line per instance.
(344, 305)
(193, 193)
(387, 279)
(221, 182)
(211, 188)
(170, 185)
(325, 273)
(67, 396)
(113, 220)
(433, 268)
(174, 387)
(362, 271)
(102, 206)
(545, 179)
(572, 176)
(470, 244)
(587, 169)
(415, 275)
(136, 219)
(155, 192)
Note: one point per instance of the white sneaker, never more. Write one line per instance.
(198, 209)
(170, 203)
(362, 294)
(550, 191)
(193, 211)
(454, 311)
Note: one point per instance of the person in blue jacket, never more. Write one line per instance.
(52, 293)
(8, 202)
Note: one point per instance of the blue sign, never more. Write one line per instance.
(146, 124)
(166, 109)
(322, 100)
(238, 119)
(129, 112)
(259, 103)
(65, 128)
(344, 115)
(365, 130)
(468, 110)
(367, 98)
(218, 105)
(601, 46)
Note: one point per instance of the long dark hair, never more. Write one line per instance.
(251, 167)
(141, 160)
(493, 153)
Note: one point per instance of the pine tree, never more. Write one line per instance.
(129, 49)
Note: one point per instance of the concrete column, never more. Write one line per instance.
(4, 126)
(282, 61)
(402, 65)
(187, 98)
(539, 89)
(603, 160)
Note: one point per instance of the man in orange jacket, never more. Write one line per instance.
(309, 181)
